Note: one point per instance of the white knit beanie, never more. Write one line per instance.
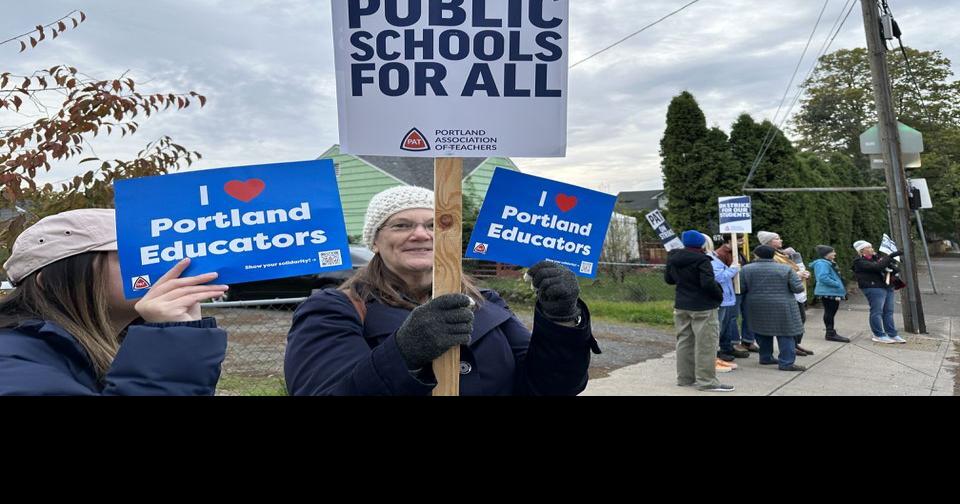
(391, 202)
(766, 237)
(860, 245)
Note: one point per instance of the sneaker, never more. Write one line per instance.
(717, 388)
(882, 339)
(752, 347)
(770, 363)
(723, 369)
(898, 339)
(740, 354)
(686, 384)
(725, 357)
(726, 364)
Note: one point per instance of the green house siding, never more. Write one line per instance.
(358, 183)
(475, 185)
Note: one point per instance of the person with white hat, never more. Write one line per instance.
(789, 257)
(379, 332)
(68, 330)
(870, 271)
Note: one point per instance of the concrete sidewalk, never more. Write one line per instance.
(925, 366)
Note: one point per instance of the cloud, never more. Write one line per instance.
(267, 68)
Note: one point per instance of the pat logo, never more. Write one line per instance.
(141, 282)
(414, 141)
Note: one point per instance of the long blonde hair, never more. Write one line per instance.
(708, 244)
(71, 293)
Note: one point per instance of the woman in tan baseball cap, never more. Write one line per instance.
(68, 330)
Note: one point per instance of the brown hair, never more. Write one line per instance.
(71, 293)
(376, 281)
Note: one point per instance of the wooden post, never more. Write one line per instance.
(898, 189)
(735, 254)
(746, 246)
(447, 251)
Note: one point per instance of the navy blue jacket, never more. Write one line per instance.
(176, 358)
(330, 352)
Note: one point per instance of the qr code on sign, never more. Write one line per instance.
(586, 267)
(330, 258)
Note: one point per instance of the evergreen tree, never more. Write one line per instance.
(686, 128)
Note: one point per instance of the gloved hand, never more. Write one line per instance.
(433, 328)
(886, 261)
(557, 291)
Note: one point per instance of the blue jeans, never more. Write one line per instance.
(728, 328)
(746, 335)
(881, 311)
(788, 350)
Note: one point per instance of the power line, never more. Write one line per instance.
(823, 50)
(769, 137)
(641, 30)
(906, 58)
(828, 42)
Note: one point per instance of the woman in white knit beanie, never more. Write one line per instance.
(379, 333)
(786, 256)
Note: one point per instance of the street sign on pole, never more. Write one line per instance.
(926, 202)
(911, 140)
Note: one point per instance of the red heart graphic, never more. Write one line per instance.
(245, 191)
(566, 203)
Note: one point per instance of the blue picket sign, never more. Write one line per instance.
(246, 223)
(526, 219)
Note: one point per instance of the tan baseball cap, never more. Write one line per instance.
(61, 236)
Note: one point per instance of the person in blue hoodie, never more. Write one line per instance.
(829, 289)
(67, 328)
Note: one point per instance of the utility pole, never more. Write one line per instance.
(897, 194)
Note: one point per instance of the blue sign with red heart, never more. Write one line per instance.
(526, 219)
(246, 223)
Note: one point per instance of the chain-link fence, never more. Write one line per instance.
(256, 340)
(257, 330)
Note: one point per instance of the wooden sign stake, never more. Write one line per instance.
(735, 254)
(447, 252)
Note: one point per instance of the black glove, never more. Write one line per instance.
(433, 328)
(557, 291)
(886, 261)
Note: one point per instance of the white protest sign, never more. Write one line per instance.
(888, 246)
(735, 214)
(659, 224)
(463, 78)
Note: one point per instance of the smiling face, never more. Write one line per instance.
(405, 242)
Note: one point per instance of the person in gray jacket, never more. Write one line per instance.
(768, 289)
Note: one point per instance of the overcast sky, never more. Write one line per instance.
(266, 67)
